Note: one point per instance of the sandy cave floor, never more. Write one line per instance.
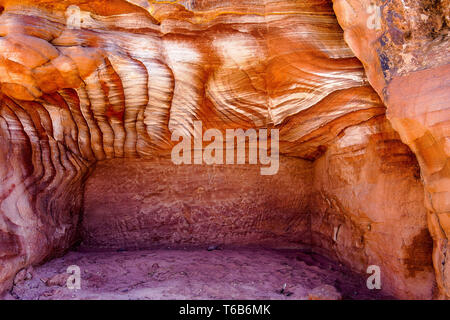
(242, 273)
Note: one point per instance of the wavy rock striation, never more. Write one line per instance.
(102, 85)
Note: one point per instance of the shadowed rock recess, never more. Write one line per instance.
(91, 92)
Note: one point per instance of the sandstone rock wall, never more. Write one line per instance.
(113, 79)
(362, 203)
(368, 209)
(407, 61)
(109, 81)
(41, 189)
(153, 203)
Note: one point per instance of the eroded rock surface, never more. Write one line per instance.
(106, 83)
(368, 208)
(152, 203)
(407, 57)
